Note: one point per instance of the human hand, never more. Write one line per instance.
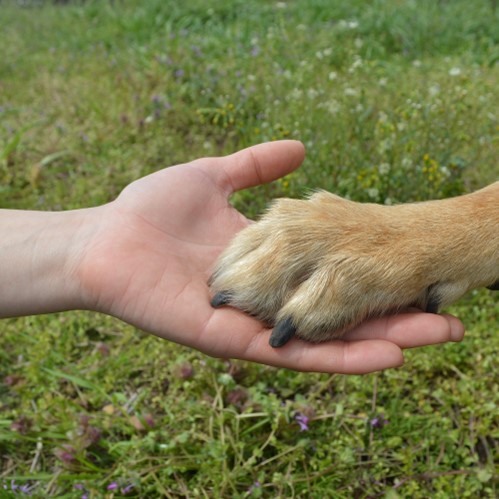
(154, 248)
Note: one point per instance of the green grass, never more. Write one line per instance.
(395, 100)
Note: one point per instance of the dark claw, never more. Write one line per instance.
(433, 300)
(220, 299)
(282, 333)
(432, 305)
(494, 287)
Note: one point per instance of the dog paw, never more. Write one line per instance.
(316, 268)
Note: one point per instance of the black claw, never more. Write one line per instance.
(432, 305)
(433, 300)
(494, 287)
(282, 333)
(220, 299)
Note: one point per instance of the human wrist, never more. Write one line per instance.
(40, 253)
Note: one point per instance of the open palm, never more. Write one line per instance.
(150, 257)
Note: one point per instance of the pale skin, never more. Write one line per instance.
(146, 257)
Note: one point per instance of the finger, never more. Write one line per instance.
(341, 357)
(234, 335)
(261, 164)
(411, 329)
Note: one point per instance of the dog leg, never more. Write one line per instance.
(318, 267)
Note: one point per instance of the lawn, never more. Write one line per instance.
(395, 100)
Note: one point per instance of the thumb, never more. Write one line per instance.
(261, 164)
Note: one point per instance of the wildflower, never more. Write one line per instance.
(332, 75)
(185, 370)
(256, 485)
(384, 168)
(350, 91)
(302, 421)
(357, 63)
(22, 425)
(378, 422)
(127, 489)
(434, 90)
(16, 489)
(112, 486)
(237, 397)
(348, 24)
(66, 453)
(312, 93)
(455, 71)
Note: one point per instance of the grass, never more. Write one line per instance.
(395, 101)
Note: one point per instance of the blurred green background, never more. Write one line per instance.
(395, 100)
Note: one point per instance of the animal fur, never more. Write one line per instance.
(318, 267)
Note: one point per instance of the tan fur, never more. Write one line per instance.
(327, 263)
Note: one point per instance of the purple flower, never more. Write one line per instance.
(179, 73)
(254, 486)
(17, 489)
(25, 489)
(112, 486)
(378, 422)
(127, 489)
(302, 420)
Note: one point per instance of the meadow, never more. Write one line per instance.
(395, 100)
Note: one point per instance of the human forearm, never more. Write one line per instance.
(39, 257)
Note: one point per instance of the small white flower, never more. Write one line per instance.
(382, 82)
(327, 52)
(281, 5)
(312, 93)
(332, 75)
(296, 94)
(416, 63)
(445, 171)
(382, 117)
(434, 90)
(455, 71)
(358, 43)
(355, 64)
(373, 193)
(333, 106)
(406, 162)
(351, 92)
(251, 77)
(348, 24)
(384, 168)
